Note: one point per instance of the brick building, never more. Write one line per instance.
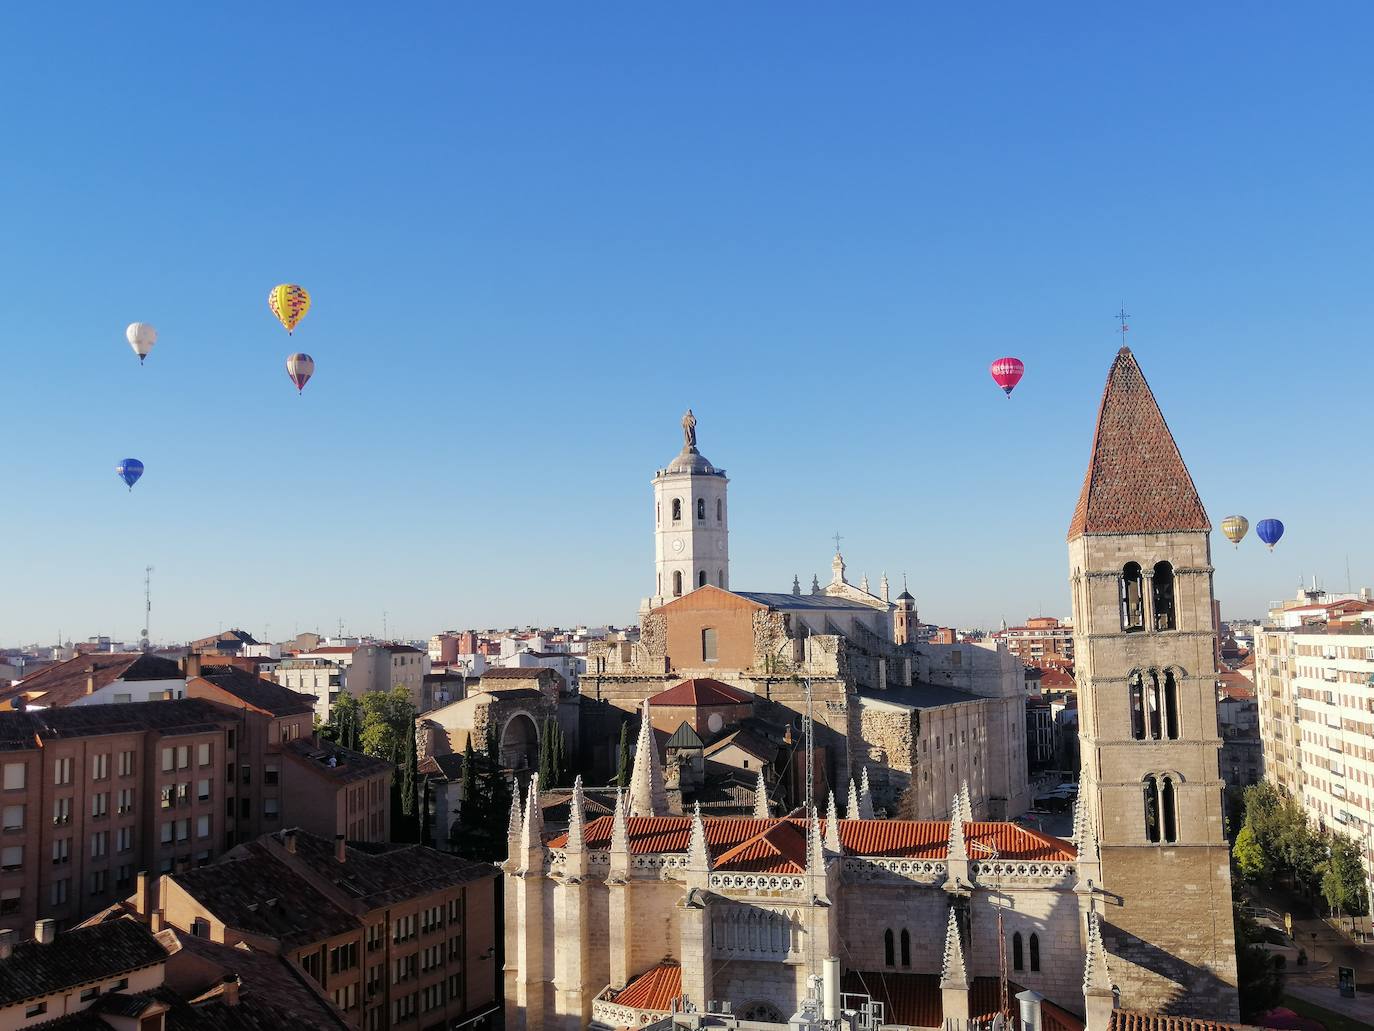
(1043, 641)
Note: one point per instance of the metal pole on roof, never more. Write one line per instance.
(810, 737)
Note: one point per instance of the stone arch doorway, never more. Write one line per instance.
(520, 743)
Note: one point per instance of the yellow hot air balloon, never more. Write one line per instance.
(1234, 528)
(289, 303)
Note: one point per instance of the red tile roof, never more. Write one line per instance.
(66, 682)
(779, 849)
(906, 839)
(655, 989)
(702, 692)
(1134, 1020)
(915, 999)
(1136, 480)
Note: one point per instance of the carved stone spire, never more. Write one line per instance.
(884, 590)
(761, 798)
(532, 832)
(958, 849)
(620, 831)
(815, 855)
(863, 584)
(796, 584)
(815, 584)
(953, 971)
(517, 819)
(965, 802)
(577, 818)
(647, 796)
(851, 808)
(837, 569)
(698, 858)
(865, 797)
(832, 826)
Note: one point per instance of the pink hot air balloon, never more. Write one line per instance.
(300, 367)
(1007, 372)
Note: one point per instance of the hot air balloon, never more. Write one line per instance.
(300, 367)
(289, 303)
(1007, 372)
(142, 337)
(129, 471)
(1234, 528)
(1269, 530)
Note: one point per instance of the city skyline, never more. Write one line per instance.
(528, 257)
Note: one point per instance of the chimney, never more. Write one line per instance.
(155, 921)
(141, 895)
(90, 680)
(45, 932)
(340, 849)
(1030, 1009)
(289, 840)
(230, 994)
(6, 944)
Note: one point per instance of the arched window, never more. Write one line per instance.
(1018, 961)
(658, 514)
(1170, 706)
(720, 578)
(677, 510)
(701, 509)
(1154, 706)
(1132, 597)
(1163, 596)
(701, 578)
(1035, 952)
(708, 644)
(889, 953)
(1137, 701)
(906, 947)
(677, 583)
(720, 510)
(1168, 809)
(1151, 809)
(660, 584)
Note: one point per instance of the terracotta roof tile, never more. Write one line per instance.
(1136, 480)
(702, 691)
(915, 999)
(66, 682)
(77, 957)
(654, 990)
(1135, 1020)
(779, 849)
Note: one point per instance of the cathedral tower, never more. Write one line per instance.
(1141, 575)
(691, 523)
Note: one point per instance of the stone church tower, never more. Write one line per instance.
(1141, 575)
(691, 523)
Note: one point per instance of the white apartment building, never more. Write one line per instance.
(1315, 688)
(321, 678)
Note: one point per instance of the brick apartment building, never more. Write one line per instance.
(92, 794)
(397, 936)
(1043, 641)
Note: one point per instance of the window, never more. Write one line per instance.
(1137, 702)
(169, 760)
(343, 957)
(62, 771)
(677, 583)
(720, 578)
(100, 844)
(99, 879)
(9, 901)
(203, 790)
(1018, 959)
(270, 808)
(167, 830)
(36, 1010)
(60, 890)
(61, 851)
(14, 818)
(167, 793)
(124, 839)
(677, 510)
(1170, 706)
(100, 766)
(246, 773)
(61, 812)
(126, 764)
(1035, 953)
(15, 776)
(184, 830)
(720, 510)
(12, 857)
(203, 754)
(889, 950)
(100, 804)
(183, 756)
(200, 927)
(269, 773)
(1161, 810)
(121, 699)
(1168, 809)
(405, 968)
(708, 644)
(202, 826)
(1132, 597)
(701, 510)
(184, 793)
(906, 947)
(126, 800)
(1163, 596)
(403, 928)
(701, 578)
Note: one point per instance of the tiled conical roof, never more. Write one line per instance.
(1136, 480)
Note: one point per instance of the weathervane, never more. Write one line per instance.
(1123, 316)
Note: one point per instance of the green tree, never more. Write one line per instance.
(388, 720)
(552, 753)
(1259, 981)
(409, 775)
(1343, 880)
(344, 718)
(622, 767)
(1250, 858)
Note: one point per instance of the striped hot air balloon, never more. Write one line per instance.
(300, 367)
(1234, 528)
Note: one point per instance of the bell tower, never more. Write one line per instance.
(691, 523)
(1141, 575)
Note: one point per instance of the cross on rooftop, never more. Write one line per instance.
(838, 538)
(1123, 316)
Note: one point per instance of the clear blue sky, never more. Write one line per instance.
(535, 236)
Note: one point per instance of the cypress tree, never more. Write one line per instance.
(408, 776)
(622, 770)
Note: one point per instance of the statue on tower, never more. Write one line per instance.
(689, 431)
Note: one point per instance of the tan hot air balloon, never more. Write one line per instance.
(1234, 528)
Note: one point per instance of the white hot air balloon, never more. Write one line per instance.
(142, 337)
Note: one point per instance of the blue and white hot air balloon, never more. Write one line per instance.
(129, 471)
(1269, 531)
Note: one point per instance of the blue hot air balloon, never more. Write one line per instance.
(1269, 531)
(129, 471)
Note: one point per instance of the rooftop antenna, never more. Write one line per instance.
(1349, 588)
(384, 624)
(1123, 316)
(147, 604)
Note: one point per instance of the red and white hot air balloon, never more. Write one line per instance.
(300, 367)
(1007, 372)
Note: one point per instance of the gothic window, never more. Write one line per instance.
(1018, 959)
(677, 583)
(720, 578)
(1163, 596)
(701, 509)
(1132, 597)
(677, 510)
(906, 947)
(889, 951)
(701, 578)
(1035, 952)
(708, 644)
(720, 510)
(1153, 705)
(1137, 700)
(1169, 809)
(1170, 706)
(660, 584)
(1151, 809)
